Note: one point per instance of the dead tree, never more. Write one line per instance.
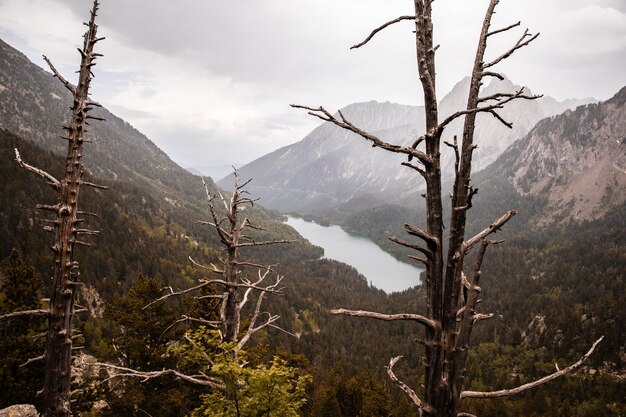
(451, 296)
(231, 290)
(66, 227)
(233, 234)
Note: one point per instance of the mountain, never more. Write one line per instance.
(575, 162)
(34, 105)
(331, 166)
(332, 172)
(570, 168)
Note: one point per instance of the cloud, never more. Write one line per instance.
(210, 81)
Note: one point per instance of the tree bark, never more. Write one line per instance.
(65, 280)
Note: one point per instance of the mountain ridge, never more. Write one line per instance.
(332, 172)
(34, 105)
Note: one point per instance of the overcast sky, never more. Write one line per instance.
(210, 81)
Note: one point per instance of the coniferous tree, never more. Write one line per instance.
(19, 291)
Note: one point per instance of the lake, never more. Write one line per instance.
(377, 266)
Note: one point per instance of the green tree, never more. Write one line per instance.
(141, 343)
(272, 389)
(19, 291)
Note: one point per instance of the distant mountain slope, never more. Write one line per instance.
(332, 172)
(34, 105)
(568, 168)
(575, 162)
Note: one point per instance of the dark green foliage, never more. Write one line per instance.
(19, 291)
(141, 342)
(361, 395)
(573, 395)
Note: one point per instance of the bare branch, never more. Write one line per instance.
(425, 251)
(426, 262)
(415, 167)
(378, 29)
(26, 313)
(32, 360)
(422, 234)
(495, 226)
(457, 157)
(323, 114)
(91, 184)
(47, 207)
(504, 122)
(534, 384)
(519, 44)
(500, 98)
(273, 326)
(247, 293)
(263, 243)
(503, 29)
(56, 73)
(404, 387)
(492, 74)
(182, 292)
(386, 317)
(202, 380)
(223, 234)
(480, 316)
(50, 180)
(211, 268)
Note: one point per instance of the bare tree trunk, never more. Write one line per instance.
(234, 236)
(66, 229)
(451, 298)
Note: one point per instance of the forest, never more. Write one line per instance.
(193, 301)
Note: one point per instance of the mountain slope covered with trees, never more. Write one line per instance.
(569, 280)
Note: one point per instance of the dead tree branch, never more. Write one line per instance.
(201, 380)
(50, 180)
(56, 74)
(25, 313)
(383, 26)
(323, 114)
(386, 317)
(493, 227)
(521, 42)
(534, 384)
(404, 387)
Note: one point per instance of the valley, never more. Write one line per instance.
(563, 262)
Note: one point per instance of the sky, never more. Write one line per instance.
(210, 82)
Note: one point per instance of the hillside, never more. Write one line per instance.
(34, 105)
(568, 168)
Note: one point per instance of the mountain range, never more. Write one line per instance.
(332, 172)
